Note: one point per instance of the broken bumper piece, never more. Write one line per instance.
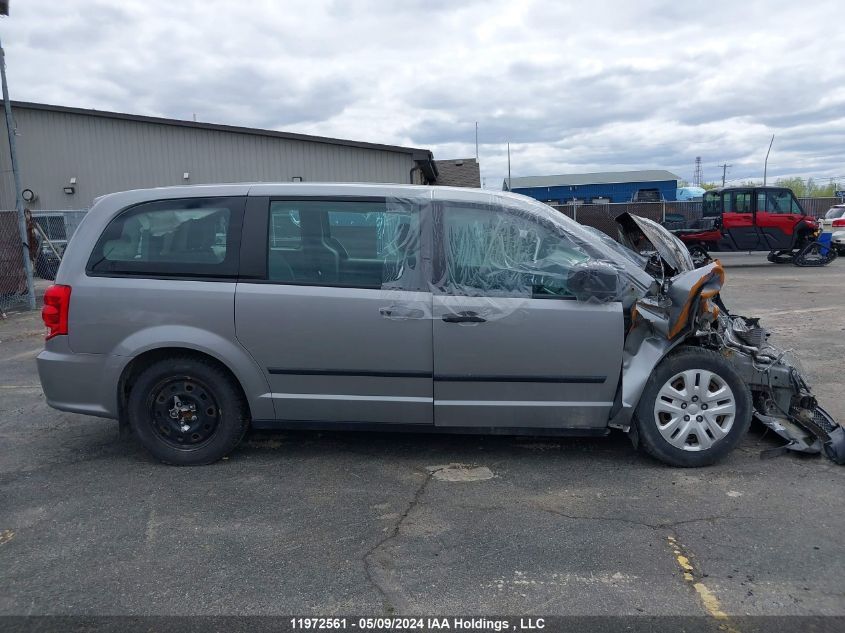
(782, 398)
(830, 433)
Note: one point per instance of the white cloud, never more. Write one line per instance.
(574, 86)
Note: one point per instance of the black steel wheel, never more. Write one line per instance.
(183, 411)
(187, 411)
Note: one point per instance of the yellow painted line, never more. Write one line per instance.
(708, 598)
(6, 536)
(711, 602)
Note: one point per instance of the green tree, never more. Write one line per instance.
(796, 183)
(808, 188)
(824, 191)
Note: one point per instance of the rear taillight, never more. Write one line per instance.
(839, 224)
(54, 312)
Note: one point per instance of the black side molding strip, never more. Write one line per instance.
(593, 380)
(501, 378)
(350, 372)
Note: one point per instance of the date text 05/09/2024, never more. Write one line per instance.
(466, 624)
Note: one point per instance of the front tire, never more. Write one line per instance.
(187, 411)
(694, 409)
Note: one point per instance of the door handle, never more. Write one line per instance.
(467, 316)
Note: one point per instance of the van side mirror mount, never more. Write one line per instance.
(594, 281)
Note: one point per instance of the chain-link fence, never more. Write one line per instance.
(13, 288)
(48, 236)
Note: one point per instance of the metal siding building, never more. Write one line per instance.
(108, 151)
(613, 186)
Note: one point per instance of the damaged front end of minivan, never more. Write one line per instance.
(684, 307)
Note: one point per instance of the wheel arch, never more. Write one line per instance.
(152, 355)
(638, 364)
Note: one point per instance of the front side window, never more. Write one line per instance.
(777, 202)
(187, 237)
(365, 244)
(489, 251)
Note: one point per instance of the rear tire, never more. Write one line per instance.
(780, 257)
(684, 422)
(187, 411)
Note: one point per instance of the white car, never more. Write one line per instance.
(834, 223)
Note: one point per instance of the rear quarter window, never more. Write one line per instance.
(193, 237)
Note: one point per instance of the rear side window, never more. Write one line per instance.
(742, 202)
(194, 237)
(361, 244)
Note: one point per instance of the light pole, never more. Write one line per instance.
(10, 128)
(766, 164)
(509, 166)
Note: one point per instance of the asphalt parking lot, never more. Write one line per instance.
(349, 523)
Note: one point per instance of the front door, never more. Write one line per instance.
(339, 320)
(512, 347)
(778, 212)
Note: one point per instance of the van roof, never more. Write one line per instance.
(385, 190)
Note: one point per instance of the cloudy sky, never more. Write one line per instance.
(573, 86)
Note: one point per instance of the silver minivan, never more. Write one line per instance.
(190, 314)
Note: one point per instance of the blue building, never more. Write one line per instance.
(651, 185)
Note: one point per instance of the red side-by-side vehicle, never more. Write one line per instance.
(756, 219)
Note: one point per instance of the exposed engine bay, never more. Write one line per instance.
(684, 308)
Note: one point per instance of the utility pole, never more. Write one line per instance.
(476, 141)
(766, 164)
(724, 172)
(10, 128)
(509, 166)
